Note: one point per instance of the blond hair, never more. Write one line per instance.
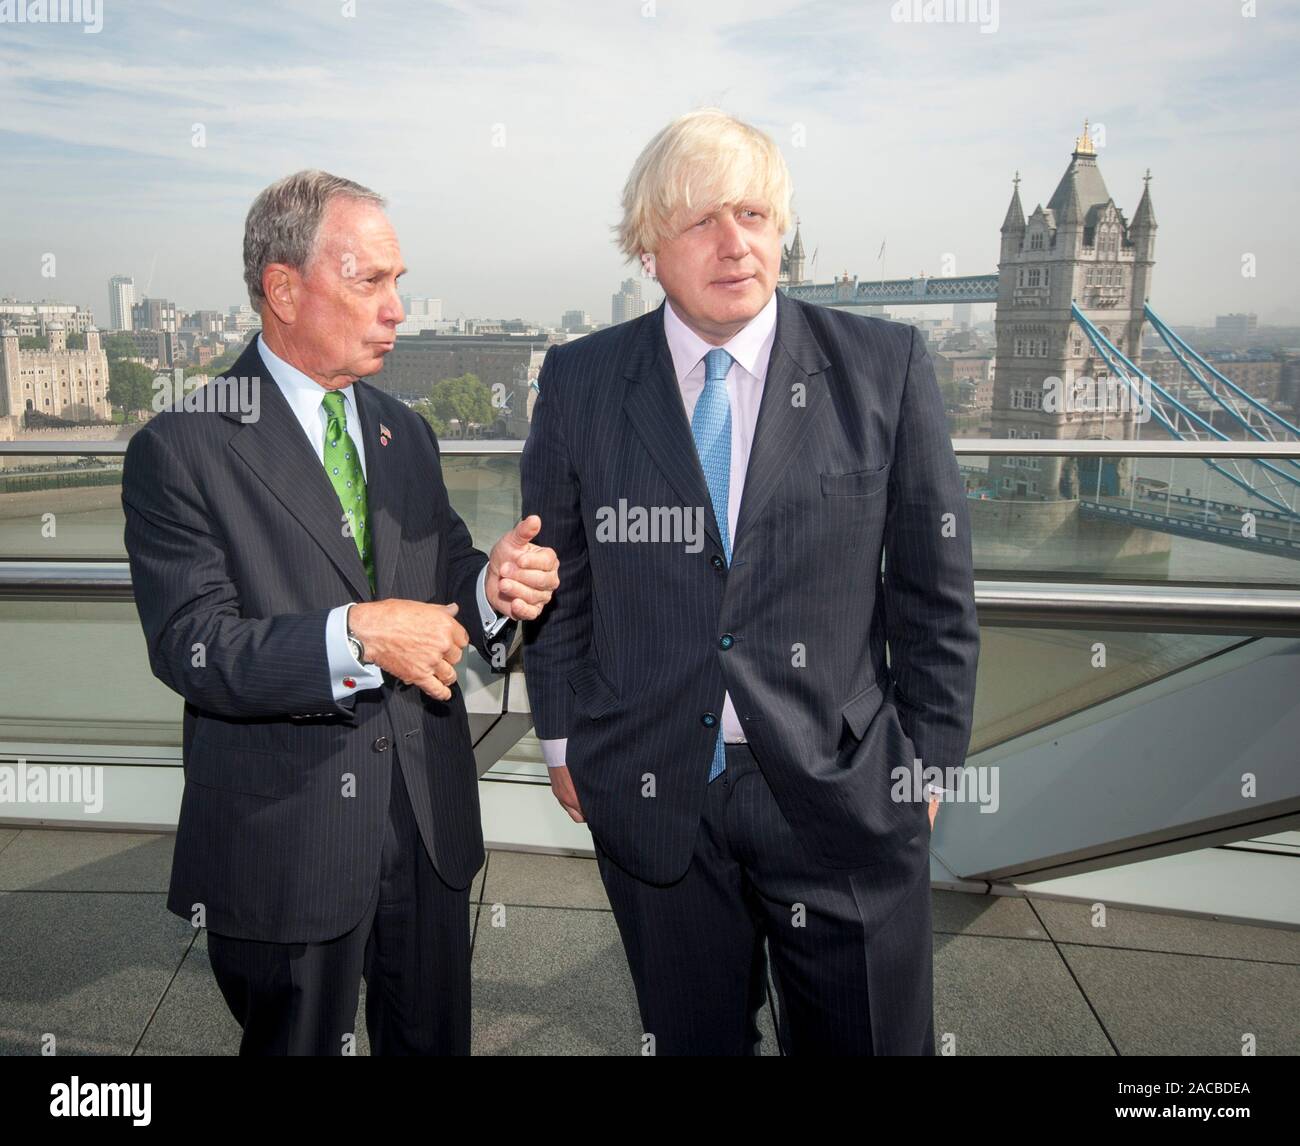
(700, 161)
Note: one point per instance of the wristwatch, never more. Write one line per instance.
(354, 642)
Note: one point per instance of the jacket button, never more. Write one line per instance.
(709, 720)
(381, 745)
(716, 561)
(726, 641)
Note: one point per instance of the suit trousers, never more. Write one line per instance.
(412, 944)
(850, 948)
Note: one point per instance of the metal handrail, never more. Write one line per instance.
(64, 580)
(1158, 608)
(962, 447)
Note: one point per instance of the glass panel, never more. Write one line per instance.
(1134, 519)
(1124, 519)
(1029, 678)
(61, 507)
(85, 498)
(484, 490)
(83, 677)
(523, 762)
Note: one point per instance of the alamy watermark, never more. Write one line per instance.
(981, 12)
(77, 1099)
(24, 783)
(674, 524)
(1088, 395)
(88, 13)
(225, 395)
(954, 785)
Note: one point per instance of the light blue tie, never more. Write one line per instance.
(711, 428)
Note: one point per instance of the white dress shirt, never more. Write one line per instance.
(750, 349)
(305, 397)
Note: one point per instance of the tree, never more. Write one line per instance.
(34, 342)
(466, 400)
(130, 385)
(219, 365)
(76, 341)
(425, 409)
(119, 346)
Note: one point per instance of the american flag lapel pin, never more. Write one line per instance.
(384, 434)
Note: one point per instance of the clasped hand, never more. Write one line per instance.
(421, 643)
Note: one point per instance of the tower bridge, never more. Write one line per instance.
(1071, 292)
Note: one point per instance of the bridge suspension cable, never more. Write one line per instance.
(1182, 351)
(1157, 399)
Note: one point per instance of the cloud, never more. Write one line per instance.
(912, 132)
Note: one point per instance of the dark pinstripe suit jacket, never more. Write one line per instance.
(851, 457)
(237, 556)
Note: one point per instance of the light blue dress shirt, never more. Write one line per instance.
(750, 349)
(304, 396)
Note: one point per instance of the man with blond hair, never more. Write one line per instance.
(723, 715)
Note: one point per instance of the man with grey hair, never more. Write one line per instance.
(304, 583)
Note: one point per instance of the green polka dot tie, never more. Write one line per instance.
(343, 466)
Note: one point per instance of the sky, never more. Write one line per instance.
(502, 134)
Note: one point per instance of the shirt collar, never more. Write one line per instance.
(303, 393)
(750, 346)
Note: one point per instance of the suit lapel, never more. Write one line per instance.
(653, 404)
(279, 454)
(793, 399)
(383, 487)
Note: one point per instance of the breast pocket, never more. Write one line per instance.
(855, 483)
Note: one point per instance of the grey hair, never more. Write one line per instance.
(283, 224)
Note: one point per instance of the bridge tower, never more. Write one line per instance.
(1079, 248)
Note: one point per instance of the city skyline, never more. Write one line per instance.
(102, 169)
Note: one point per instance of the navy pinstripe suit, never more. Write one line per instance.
(851, 459)
(237, 555)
